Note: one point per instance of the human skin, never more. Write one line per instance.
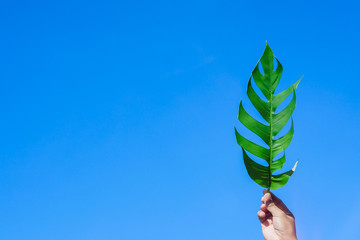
(277, 222)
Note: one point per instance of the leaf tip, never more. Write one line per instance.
(268, 51)
(293, 169)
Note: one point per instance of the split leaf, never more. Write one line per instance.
(275, 122)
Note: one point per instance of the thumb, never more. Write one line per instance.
(274, 205)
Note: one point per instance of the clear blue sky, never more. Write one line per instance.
(117, 118)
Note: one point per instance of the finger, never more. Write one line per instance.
(264, 192)
(263, 207)
(271, 206)
(263, 216)
(266, 223)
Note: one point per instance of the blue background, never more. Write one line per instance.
(117, 118)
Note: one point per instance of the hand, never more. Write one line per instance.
(277, 222)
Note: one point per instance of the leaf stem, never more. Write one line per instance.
(271, 139)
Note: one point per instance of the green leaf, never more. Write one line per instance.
(267, 84)
(254, 125)
(251, 147)
(262, 107)
(257, 172)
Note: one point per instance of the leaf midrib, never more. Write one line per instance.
(271, 137)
